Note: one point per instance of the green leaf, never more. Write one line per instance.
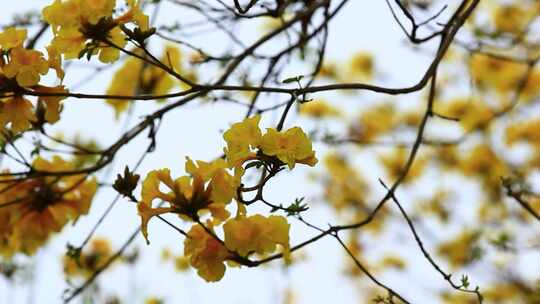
(297, 207)
(293, 79)
(465, 281)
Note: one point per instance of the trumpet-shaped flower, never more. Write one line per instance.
(292, 146)
(256, 233)
(76, 22)
(26, 66)
(205, 253)
(11, 38)
(241, 138)
(209, 187)
(17, 112)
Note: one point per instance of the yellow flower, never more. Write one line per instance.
(157, 81)
(93, 10)
(344, 187)
(390, 261)
(511, 18)
(55, 61)
(222, 185)
(328, 70)
(135, 15)
(360, 66)
(90, 260)
(51, 103)
(17, 112)
(62, 14)
(458, 298)
(74, 13)
(11, 38)
(319, 109)
(109, 54)
(460, 251)
(135, 78)
(44, 204)
(472, 114)
(208, 188)
(153, 300)
(395, 162)
(125, 83)
(482, 160)
(181, 263)
(375, 122)
(292, 146)
(205, 253)
(241, 138)
(69, 41)
(501, 75)
(525, 131)
(74, 22)
(146, 212)
(150, 188)
(256, 233)
(26, 66)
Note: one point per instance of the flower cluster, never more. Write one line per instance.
(136, 77)
(246, 142)
(88, 27)
(36, 207)
(21, 70)
(209, 187)
(256, 233)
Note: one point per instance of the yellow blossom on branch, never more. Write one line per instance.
(88, 27)
(51, 103)
(134, 77)
(205, 253)
(26, 66)
(256, 234)
(209, 187)
(291, 147)
(11, 38)
(17, 112)
(241, 138)
(40, 206)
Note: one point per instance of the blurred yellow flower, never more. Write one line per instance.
(90, 260)
(42, 206)
(319, 109)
